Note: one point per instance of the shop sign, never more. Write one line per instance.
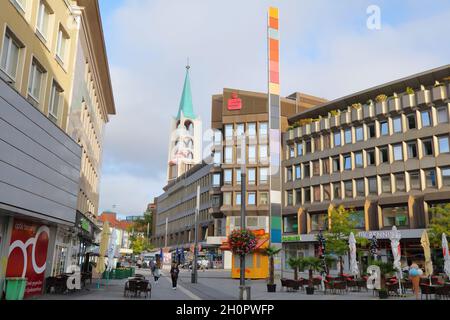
(85, 225)
(28, 255)
(291, 238)
(234, 103)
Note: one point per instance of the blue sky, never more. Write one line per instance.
(326, 50)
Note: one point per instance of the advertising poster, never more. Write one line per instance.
(28, 255)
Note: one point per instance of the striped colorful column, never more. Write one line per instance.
(274, 125)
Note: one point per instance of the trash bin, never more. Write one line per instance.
(15, 288)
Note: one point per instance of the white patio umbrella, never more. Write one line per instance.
(396, 252)
(352, 246)
(446, 254)
(112, 249)
(425, 242)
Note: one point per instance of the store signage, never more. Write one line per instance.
(85, 225)
(291, 238)
(234, 103)
(28, 255)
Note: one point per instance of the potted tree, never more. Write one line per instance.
(271, 252)
(311, 264)
(295, 264)
(386, 269)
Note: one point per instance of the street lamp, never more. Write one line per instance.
(194, 275)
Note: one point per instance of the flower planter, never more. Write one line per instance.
(381, 108)
(439, 93)
(408, 101)
(423, 97)
(309, 290)
(394, 104)
(368, 111)
(271, 288)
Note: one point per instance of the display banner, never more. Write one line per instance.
(28, 255)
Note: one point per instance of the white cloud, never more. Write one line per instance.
(326, 50)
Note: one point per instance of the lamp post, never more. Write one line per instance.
(194, 275)
(244, 291)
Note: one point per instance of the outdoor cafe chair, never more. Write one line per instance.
(392, 287)
(340, 286)
(317, 282)
(144, 287)
(426, 290)
(442, 292)
(131, 286)
(329, 287)
(139, 276)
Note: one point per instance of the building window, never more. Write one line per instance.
(411, 119)
(400, 182)
(21, 5)
(227, 198)
(443, 144)
(216, 201)
(397, 124)
(398, 152)
(359, 132)
(263, 198)
(348, 189)
(238, 176)
(35, 81)
(337, 139)
(337, 190)
(252, 198)
(442, 114)
(347, 162)
(240, 129)
(384, 127)
(43, 20)
(289, 174)
(263, 153)
(289, 198)
(290, 224)
(238, 199)
(228, 131)
(299, 149)
(358, 160)
(298, 172)
(414, 180)
(10, 55)
(251, 129)
(348, 136)
(228, 154)
(316, 168)
(426, 119)
(228, 176)
(319, 221)
(412, 149)
(252, 154)
(306, 170)
(371, 157)
(217, 158)
(326, 192)
(291, 151)
(336, 164)
(316, 190)
(360, 189)
(298, 197)
(217, 137)
(317, 144)
(263, 129)
(430, 178)
(216, 180)
(307, 195)
(308, 146)
(427, 147)
(326, 166)
(395, 216)
(371, 133)
(445, 172)
(263, 175)
(358, 218)
(386, 184)
(252, 176)
(373, 186)
(55, 102)
(384, 155)
(62, 44)
(326, 141)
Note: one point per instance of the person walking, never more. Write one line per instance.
(157, 269)
(174, 271)
(414, 275)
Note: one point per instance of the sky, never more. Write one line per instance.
(327, 50)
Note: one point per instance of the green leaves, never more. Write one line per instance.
(439, 224)
(272, 251)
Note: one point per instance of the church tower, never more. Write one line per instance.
(185, 143)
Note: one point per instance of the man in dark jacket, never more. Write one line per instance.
(174, 271)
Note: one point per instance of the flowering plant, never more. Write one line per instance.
(242, 241)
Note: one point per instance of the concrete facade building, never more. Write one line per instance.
(383, 152)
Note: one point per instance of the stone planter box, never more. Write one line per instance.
(423, 97)
(408, 101)
(324, 124)
(368, 111)
(345, 117)
(335, 121)
(357, 114)
(394, 104)
(439, 93)
(381, 108)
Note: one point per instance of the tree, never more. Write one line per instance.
(342, 223)
(271, 252)
(141, 225)
(311, 264)
(295, 263)
(140, 244)
(439, 224)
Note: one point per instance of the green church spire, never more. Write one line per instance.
(186, 105)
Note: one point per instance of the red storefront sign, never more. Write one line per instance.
(234, 103)
(28, 255)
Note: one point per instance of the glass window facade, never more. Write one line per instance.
(395, 216)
